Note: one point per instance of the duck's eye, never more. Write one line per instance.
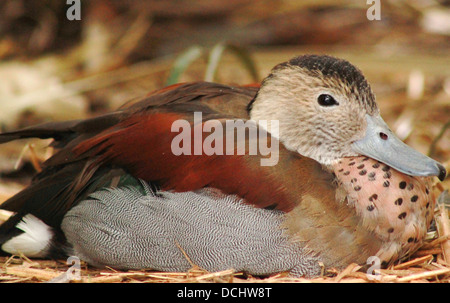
(326, 100)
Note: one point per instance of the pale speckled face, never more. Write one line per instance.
(327, 111)
(319, 114)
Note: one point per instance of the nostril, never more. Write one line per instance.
(383, 136)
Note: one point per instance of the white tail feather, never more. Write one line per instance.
(34, 242)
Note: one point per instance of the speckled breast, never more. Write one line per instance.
(396, 207)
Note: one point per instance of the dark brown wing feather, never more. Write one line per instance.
(137, 140)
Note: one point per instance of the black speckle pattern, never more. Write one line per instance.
(394, 203)
(399, 201)
(373, 197)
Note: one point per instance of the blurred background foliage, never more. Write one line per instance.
(52, 68)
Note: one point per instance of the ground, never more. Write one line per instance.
(56, 69)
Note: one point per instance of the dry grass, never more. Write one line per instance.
(426, 266)
(406, 62)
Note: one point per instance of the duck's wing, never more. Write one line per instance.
(138, 139)
(145, 139)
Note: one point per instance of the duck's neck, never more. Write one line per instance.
(318, 152)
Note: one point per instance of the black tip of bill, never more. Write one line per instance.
(442, 172)
(381, 144)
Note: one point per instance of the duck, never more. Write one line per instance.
(294, 174)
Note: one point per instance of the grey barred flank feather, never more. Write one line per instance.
(123, 229)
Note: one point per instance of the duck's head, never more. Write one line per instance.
(327, 111)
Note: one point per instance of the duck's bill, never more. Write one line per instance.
(381, 144)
